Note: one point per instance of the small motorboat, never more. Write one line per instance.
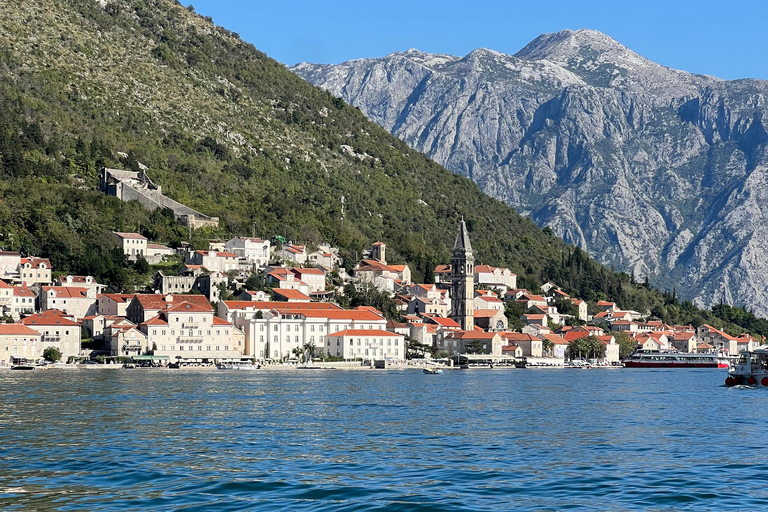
(432, 371)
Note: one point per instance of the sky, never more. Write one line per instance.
(719, 38)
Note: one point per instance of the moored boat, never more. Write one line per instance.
(432, 371)
(673, 360)
(750, 369)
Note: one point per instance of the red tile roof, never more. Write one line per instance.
(67, 292)
(291, 294)
(134, 236)
(486, 313)
(17, 330)
(364, 332)
(50, 317)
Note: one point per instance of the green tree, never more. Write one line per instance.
(627, 345)
(588, 347)
(475, 347)
(52, 354)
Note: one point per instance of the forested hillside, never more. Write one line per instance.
(232, 133)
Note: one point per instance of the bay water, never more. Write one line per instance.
(473, 440)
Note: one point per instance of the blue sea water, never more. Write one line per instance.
(476, 440)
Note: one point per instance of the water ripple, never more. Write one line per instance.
(551, 440)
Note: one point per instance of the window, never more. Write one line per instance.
(199, 347)
(226, 347)
(312, 328)
(261, 327)
(275, 328)
(154, 332)
(181, 347)
(261, 339)
(322, 328)
(217, 348)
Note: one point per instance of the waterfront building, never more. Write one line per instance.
(462, 342)
(230, 309)
(275, 333)
(463, 280)
(366, 344)
(144, 306)
(57, 330)
(114, 304)
(191, 331)
(19, 341)
(23, 302)
(74, 301)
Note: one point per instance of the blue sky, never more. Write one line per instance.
(724, 39)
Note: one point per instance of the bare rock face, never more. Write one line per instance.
(654, 170)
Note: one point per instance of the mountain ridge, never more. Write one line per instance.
(663, 155)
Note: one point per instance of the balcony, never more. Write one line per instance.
(189, 325)
(51, 339)
(189, 339)
(128, 348)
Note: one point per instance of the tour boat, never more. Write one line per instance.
(750, 369)
(673, 360)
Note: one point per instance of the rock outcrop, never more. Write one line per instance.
(654, 170)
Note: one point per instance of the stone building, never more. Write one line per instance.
(463, 280)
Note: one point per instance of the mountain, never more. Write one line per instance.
(653, 170)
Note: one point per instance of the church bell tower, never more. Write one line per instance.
(463, 280)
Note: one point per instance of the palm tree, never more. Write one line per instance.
(547, 346)
(298, 352)
(309, 347)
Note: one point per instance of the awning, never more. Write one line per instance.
(151, 358)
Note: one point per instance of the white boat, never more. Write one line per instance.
(750, 369)
(432, 371)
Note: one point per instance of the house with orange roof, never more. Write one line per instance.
(488, 301)
(35, 271)
(431, 306)
(515, 294)
(190, 332)
(6, 297)
(80, 282)
(581, 305)
(132, 244)
(251, 249)
(558, 345)
(144, 306)
(292, 253)
(426, 291)
(605, 305)
(255, 296)
(114, 304)
(490, 319)
(530, 345)
(382, 277)
(57, 330)
(529, 300)
(17, 341)
(365, 344)
(458, 342)
(289, 295)
(22, 302)
(512, 350)
(442, 274)
(325, 256)
(74, 301)
(221, 261)
(625, 325)
(724, 343)
(534, 318)
(684, 341)
(314, 277)
(494, 277)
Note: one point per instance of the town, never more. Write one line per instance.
(288, 310)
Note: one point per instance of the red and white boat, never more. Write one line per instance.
(750, 369)
(674, 360)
